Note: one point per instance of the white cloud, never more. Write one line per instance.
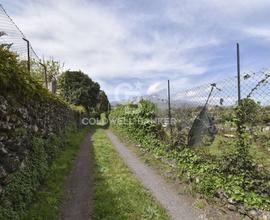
(102, 42)
(156, 87)
(115, 40)
(260, 32)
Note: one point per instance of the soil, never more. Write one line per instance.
(77, 197)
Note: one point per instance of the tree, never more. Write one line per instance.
(103, 104)
(77, 88)
(53, 68)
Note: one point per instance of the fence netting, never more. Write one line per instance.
(202, 113)
(13, 38)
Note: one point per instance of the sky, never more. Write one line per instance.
(133, 47)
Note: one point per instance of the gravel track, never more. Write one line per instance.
(177, 205)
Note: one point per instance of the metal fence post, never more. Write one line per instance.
(45, 74)
(169, 108)
(238, 73)
(28, 54)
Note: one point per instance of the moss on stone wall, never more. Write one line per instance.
(31, 119)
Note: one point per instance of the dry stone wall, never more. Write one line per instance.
(19, 123)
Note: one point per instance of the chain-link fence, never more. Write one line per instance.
(200, 114)
(13, 38)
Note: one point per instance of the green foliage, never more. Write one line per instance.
(235, 173)
(21, 90)
(138, 118)
(125, 197)
(20, 192)
(245, 114)
(78, 108)
(103, 104)
(266, 115)
(17, 84)
(250, 111)
(53, 69)
(199, 204)
(12, 70)
(77, 88)
(47, 200)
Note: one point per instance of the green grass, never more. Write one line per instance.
(199, 204)
(223, 146)
(175, 174)
(47, 200)
(261, 156)
(118, 195)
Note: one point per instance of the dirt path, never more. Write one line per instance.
(76, 203)
(177, 205)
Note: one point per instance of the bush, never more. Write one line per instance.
(245, 184)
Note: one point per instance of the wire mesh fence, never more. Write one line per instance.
(202, 113)
(14, 39)
(206, 109)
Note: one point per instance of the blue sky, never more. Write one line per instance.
(132, 47)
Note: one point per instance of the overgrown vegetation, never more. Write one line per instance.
(236, 174)
(33, 126)
(16, 82)
(53, 70)
(40, 168)
(118, 195)
(47, 199)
